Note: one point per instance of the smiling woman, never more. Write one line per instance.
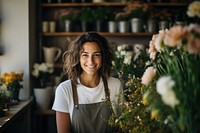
(81, 103)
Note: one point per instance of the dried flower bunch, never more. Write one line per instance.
(135, 117)
(136, 9)
(11, 81)
(175, 74)
(71, 14)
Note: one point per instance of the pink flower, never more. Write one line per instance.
(174, 36)
(159, 39)
(193, 44)
(148, 75)
(152, 50)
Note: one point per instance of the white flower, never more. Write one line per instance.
(43, 67)
(194, 9)
(164, 87)
(164, 84)
(169, 98)
(128, 57)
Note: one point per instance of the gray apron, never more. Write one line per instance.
(91, 118)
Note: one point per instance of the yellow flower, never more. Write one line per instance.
(145, 100)
(11, 80)
(154, 114)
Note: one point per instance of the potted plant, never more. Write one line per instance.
(86, 18)
(12, 83)
(99, 15)
(121, 18)
(4, 101)
(69, 16)
(43, 93)
(164, 17)
(152, 22)
(136, 13)
(110, 17)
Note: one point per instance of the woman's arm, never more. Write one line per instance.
(63, 122)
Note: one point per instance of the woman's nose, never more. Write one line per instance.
(90, 59)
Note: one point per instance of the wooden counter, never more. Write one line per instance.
(18, 117)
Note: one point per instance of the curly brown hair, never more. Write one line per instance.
(71, 57)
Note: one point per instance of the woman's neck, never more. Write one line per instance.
(90, 81)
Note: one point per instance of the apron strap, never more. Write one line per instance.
(107, 92)
(75, 95)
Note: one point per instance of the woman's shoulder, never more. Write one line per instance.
(64, 86)
(113, 79)
(65, 83)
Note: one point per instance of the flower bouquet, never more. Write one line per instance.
(42, 72)
(12, 83)
(173, 92)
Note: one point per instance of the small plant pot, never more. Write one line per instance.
(136, 25)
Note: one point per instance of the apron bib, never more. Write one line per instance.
(91, 118)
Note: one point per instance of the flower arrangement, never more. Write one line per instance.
(11, 81)
(172, 82)
(128, 61)
(136, 9)
(42, 72)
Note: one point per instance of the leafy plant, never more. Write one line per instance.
(86, 15)
(99, 13)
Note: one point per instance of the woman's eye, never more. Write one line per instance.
(84, 55)
(97, 54)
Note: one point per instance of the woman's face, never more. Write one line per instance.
(90, 58)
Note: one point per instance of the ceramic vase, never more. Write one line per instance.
(43, 97)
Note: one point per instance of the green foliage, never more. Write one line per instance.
(86, 15)
(99, 13)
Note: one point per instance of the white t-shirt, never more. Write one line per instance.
(64, 97)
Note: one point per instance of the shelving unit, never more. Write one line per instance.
(71, 34)
(57, 37)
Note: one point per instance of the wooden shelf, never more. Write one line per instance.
(46, 112)
(83, 4)
(71, 34)
(172, 4)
